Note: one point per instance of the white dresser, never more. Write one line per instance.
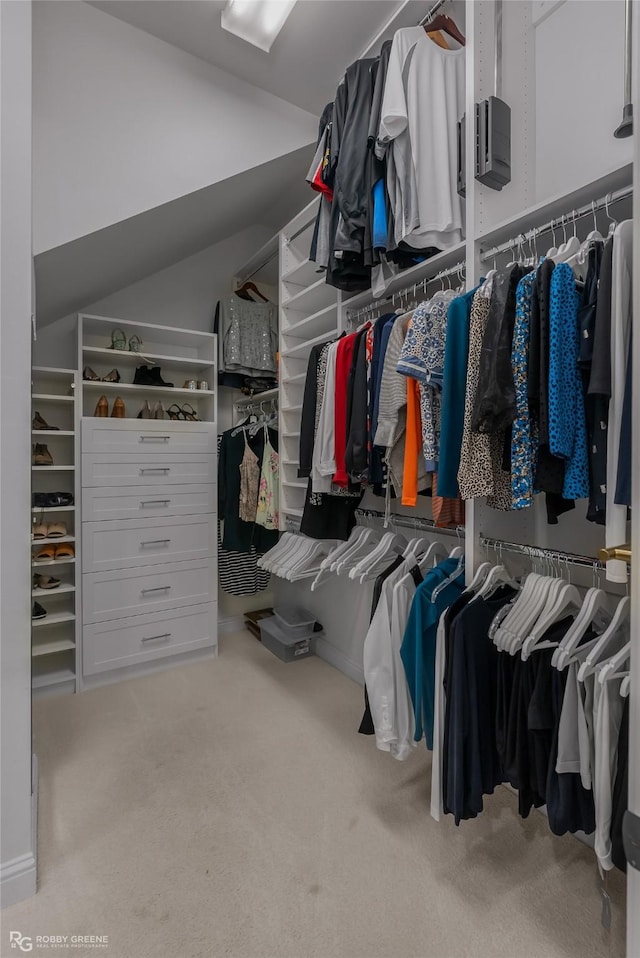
(148, 542)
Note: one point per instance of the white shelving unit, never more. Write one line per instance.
(55, 644)
(148, 503)
(309, 315)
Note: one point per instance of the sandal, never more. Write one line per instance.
(174, 412)
(40, 531)
(46, 552)
(118, 339)
(56, 530)
(46, 582)
(64, 551)
(189, 413)
(135, 344)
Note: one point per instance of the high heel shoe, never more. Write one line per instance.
(146, 412)
(174, 412)
(158, 411)
(90, 374)
(112, 377)
(189, 413)
(118, 411)
(102, 408)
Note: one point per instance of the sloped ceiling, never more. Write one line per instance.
(319, 40)
(70, 276)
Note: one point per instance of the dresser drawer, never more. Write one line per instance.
(130, 502)
(147, 435)
(121, 593)
(152, 469)
(131, 543)
(131, 641)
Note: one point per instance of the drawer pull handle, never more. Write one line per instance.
(165, 469)
(158, 588)
(155, 542)
(155, 502)
(157, 638)
(155, 438)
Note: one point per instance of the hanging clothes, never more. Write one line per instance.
(249, 483)
(247, 338)
(239, 535)
(267, 513)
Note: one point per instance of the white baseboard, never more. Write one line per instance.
(232, 623)
(339, 660)
(17, 879)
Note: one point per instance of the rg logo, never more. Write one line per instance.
(20, 941)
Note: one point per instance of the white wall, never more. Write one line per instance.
(124, 122)
(17, 841)
(185, 294)
(579, 52)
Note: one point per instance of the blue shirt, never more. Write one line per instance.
(418, 650)
(454, 384)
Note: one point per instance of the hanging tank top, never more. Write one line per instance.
(267, 514)
(249, 483)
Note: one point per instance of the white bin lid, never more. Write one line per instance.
(294, 617)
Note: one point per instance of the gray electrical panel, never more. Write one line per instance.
(493, 143)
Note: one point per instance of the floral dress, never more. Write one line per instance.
(267, 513)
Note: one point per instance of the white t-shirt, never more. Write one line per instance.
(323, 464)
(422, 103)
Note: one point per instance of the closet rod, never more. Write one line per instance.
(458, 268)
(559, 222)
(501, 545)
(262, 265)
(409, 522)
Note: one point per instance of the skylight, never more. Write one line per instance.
(257, 21)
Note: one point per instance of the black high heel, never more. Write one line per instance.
(189, 414)
(174, 412)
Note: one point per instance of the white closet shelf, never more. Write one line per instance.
(53, 468)
(48, 648)
(324, 321)
(289, 462)
(299, 484)
(302, 351)
(123, 357)
(51, 397)
(170, 335)
(50, 433)
(37, 510)
(295, 380)
(53, 618)
(259, 397)
(298, 513)
(303, 274)
(311, 299)
(291, 435)
(407, 277)
(288, 409)
(558, 205)
(42, 563)
(51, 371)
(53, 678)
(62, 589)
(41, 542)
(156, 390)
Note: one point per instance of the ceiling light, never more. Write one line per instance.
(257, 21)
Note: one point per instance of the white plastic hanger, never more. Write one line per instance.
(545, 592)
(506, 631)
(551, 252)
(325, 572)
(457, 572)
(625, 686)
(416, 547)
(610, 669)
(620, 619)
(593, 602)
(481, 574)
(554, 610)
(570, 247)
(280, 549)
(436, 548)
(355, 551)
(378, 559)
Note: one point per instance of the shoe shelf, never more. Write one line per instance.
(63, 589)
(54, 618)
(54, 646)
(48, 648)
(53, 468)
(156, 390)
(52, 539)
(51, 397)
(122, 357)
(43, 563)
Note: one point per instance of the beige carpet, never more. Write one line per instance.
(231, 809)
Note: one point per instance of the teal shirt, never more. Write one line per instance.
(418, 650)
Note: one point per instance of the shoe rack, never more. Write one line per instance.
(55, 638)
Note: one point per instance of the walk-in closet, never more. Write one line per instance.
(318, 610)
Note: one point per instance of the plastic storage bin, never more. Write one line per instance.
(296, 622)
(286, 647)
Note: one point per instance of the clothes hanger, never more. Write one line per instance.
(612, 222)
(594, 600)
(480, 575)
(353, 555)
(506, 632)
(376, 561)
(551, 252)
(545, 590)
(609, 670)
(620, 618)
(249, 287)
(457, 572)
(280, 547)
(625, 686)
(444, 23)
(436, 548)
(339, 549)
(565, 598)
